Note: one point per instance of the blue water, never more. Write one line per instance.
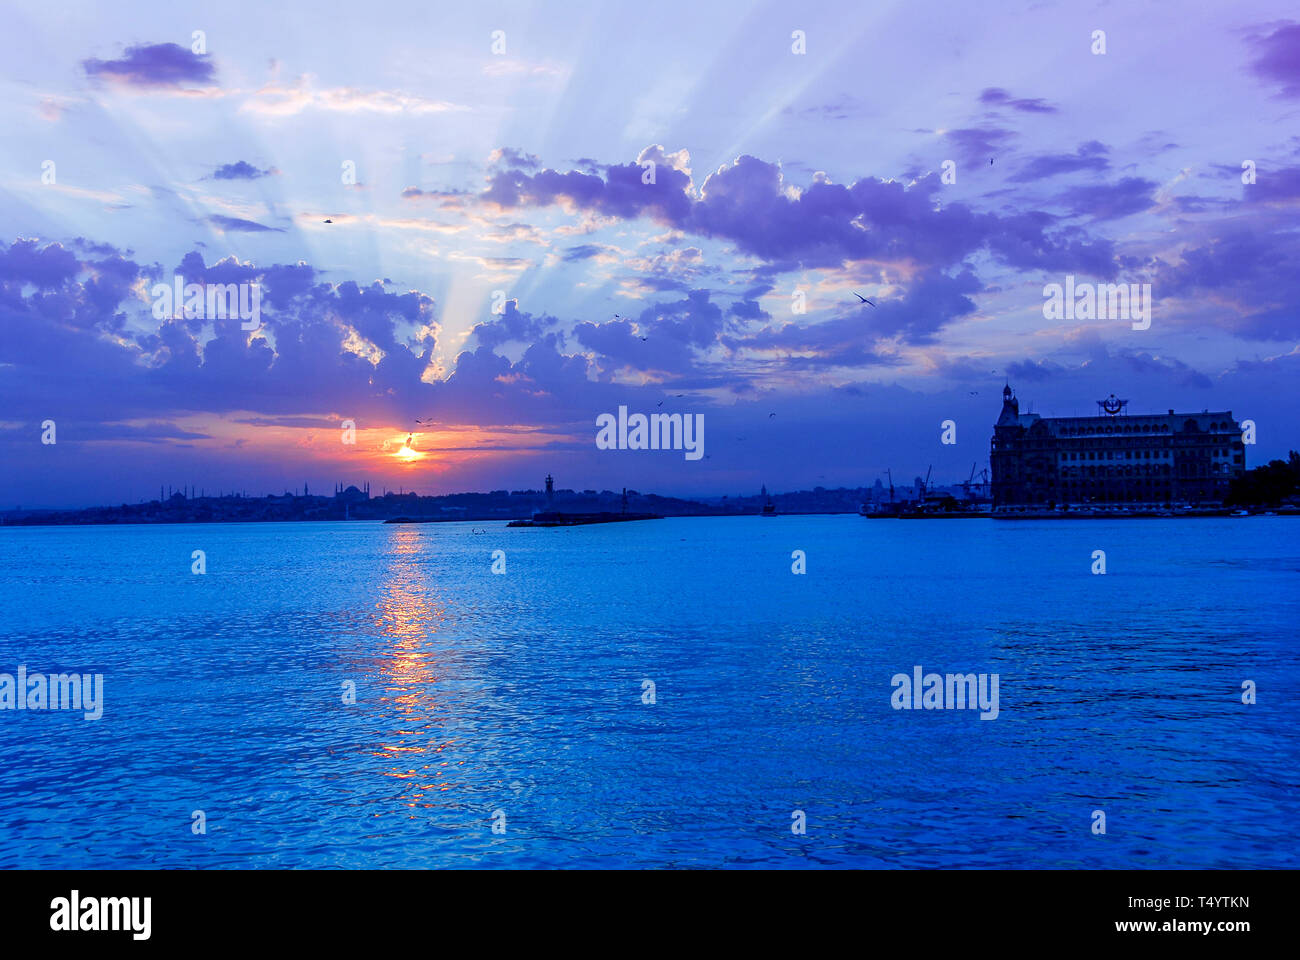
(522, 693)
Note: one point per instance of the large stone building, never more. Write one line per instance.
(1116, 458)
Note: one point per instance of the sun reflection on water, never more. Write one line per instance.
(412, 665)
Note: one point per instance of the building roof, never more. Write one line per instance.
(1207, 421)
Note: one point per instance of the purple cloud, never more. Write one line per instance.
(822, 225)
(978, 144)
(1271, 186)
(240, 170)
(45, 268)
(1111, 201)
(512, 325)
(509, 157)
(1089, 156)
(1278, 59)
(153, 65)
(1000, 97)
(240, 225)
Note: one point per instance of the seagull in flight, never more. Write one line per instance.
(862, 298)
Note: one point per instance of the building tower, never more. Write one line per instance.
(1010, 407)
(550, 491)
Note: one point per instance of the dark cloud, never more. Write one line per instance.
(240, 170)
(1271, 186)
(70, 349)
(1089, 156)
(583, 251)
(749, 310)
(153, 65)
(1034, 371)
(999, 97)
(512, 325)
(823, 225)
(1277, 59)
(619, 193)
(98, 249)
(1145, 364)
(676, 332)
(516, 159)
(46, 268)
(1253, 265)
(851, 338)
(240, 225)
(1111, 201)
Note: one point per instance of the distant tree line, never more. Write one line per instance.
(1270, 484)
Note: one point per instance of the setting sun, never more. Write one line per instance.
(407, 455)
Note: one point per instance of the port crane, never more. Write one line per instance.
(966, 486)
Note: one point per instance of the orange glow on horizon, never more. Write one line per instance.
(380, 453)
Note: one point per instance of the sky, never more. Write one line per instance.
(482, 226)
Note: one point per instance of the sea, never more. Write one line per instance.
(675, 693)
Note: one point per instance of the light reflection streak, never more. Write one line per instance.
(409, 621)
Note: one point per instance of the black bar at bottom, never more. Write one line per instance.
(333, 909)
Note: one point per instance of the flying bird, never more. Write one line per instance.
(328, 221)
(990, 161)
(771, 415)
(862, 298)
(659, 404)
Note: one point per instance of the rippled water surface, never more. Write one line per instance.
(522, 693)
